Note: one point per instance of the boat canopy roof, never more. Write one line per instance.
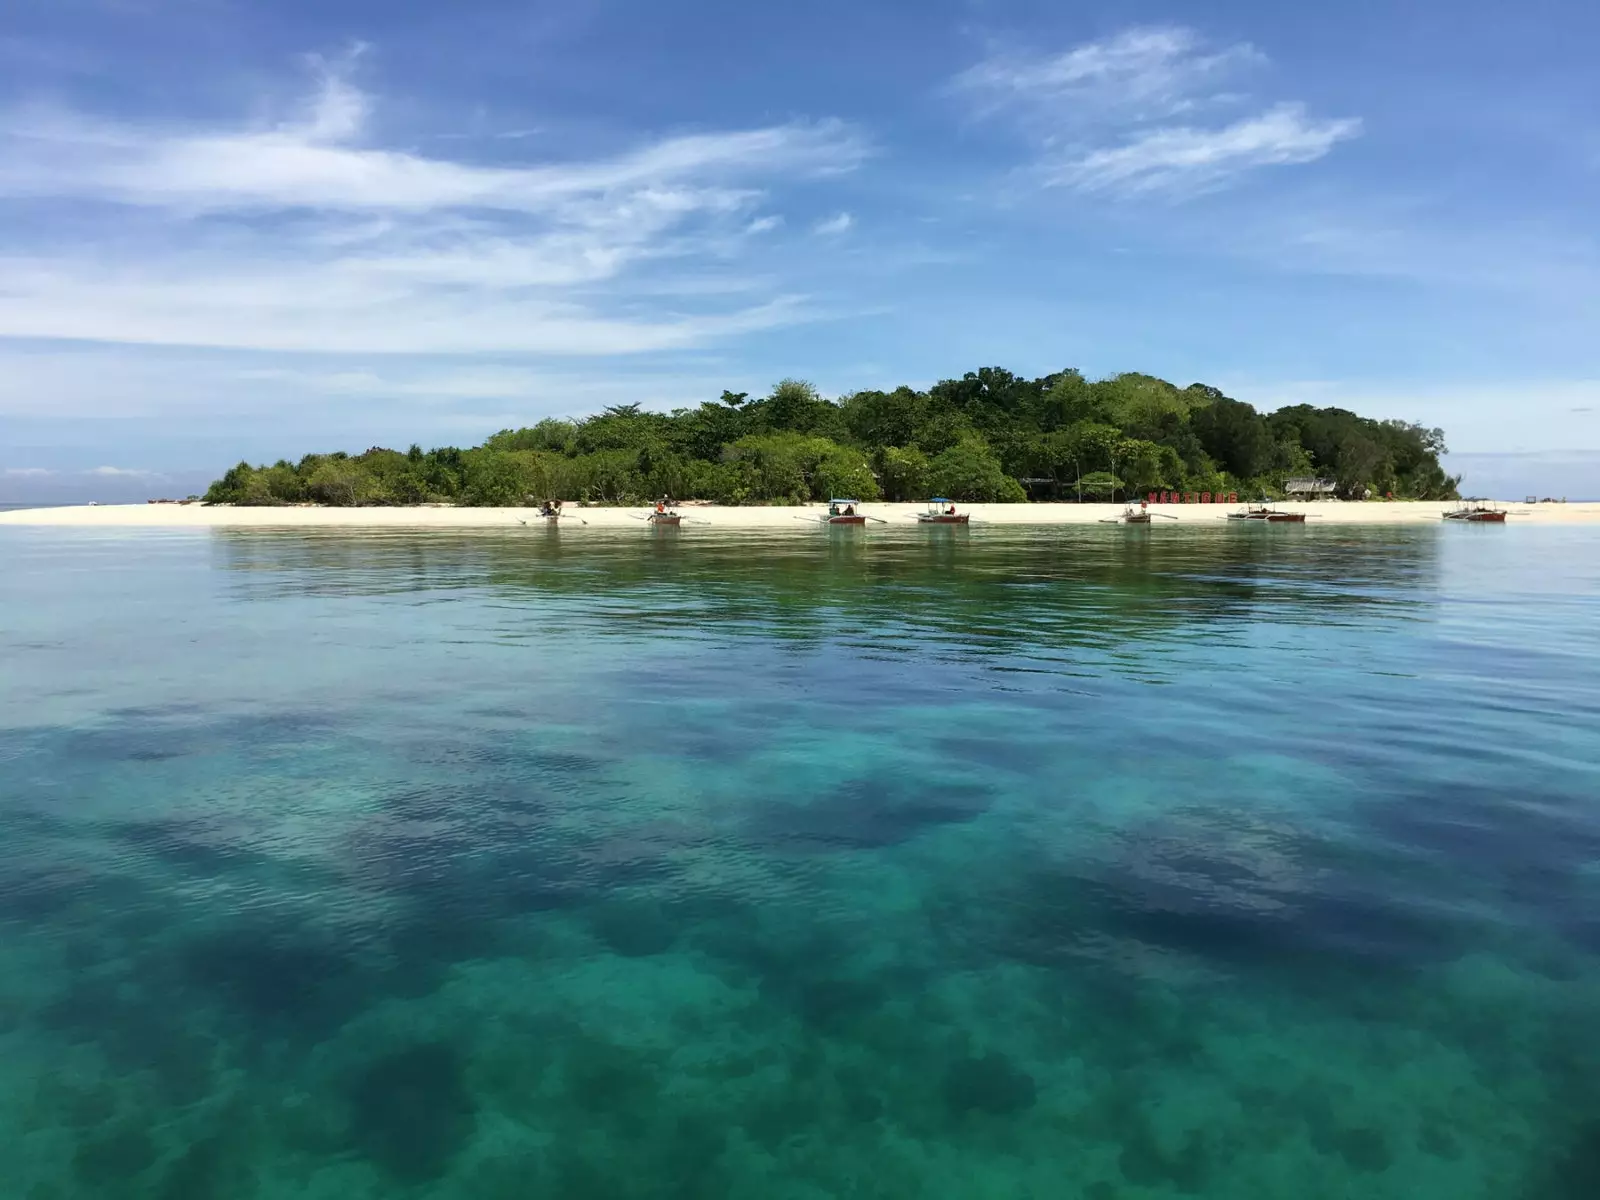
(844, 502)
(940, 500)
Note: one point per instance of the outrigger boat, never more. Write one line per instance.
(942, 511)
(1478, 511)
(843, 512)
(1260, 512)
(664, 513)
(550, 510)
(1139, 516)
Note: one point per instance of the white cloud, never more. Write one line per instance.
(300, 236)
(124, 473)
(1145, 111)
(839, 223)
(353, 309)
(312, 164)
(227, 393)
(1151, 71)
(26, 472)
(1188, 157)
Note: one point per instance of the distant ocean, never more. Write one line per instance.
(1097, 862)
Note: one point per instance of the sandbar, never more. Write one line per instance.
(697, 516)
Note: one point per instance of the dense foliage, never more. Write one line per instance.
(989, 435)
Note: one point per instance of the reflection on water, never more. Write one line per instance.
(1098, 862)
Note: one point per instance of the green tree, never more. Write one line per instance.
(1101, 484)
(774, 467)
(969, 470)
(230, 487)
(339, 482)
(843, 472)
(494, 479)
(793, 407)
(904, 472)
(884, 418)
(1070, 399)
(551, 434)
(1084, 448)
(1143, 465)
(942, 430)
(1234, 435)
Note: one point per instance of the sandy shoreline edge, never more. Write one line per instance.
(194, 516)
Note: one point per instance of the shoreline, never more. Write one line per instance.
(195, 516)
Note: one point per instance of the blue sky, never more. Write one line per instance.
(249, 230)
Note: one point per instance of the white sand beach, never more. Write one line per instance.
(195, 516)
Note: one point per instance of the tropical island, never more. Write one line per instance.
(990, 437)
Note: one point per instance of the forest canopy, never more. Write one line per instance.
(988, 436)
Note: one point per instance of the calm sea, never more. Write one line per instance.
(884, 863)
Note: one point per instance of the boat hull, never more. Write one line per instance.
(664, 519)
(944, 519)
(1483, 518)
(1277, 518)
(846, 520)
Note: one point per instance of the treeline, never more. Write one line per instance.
(988, 436)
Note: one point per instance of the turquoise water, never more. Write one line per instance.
(1098, 863)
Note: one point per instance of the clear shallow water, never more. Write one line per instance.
(886, 863)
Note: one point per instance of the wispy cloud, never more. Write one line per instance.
(834, 225)
(1144, 73)
(124, 473)
(301, 235)
(238, 394)
(1186, 157)
(1151, 109)
(26, 472)
(315, 162)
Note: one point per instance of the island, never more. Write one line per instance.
(1056, 449)
(988, 437)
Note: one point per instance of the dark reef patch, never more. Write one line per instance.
(113, 1155)
(193, 846)
(1242, 901)
(410, 1111)
(990, 1084)
(209, 1168)
(137, 1024)
(633, 928)
(866, 814)
(1573, 1173)
(610, 1080)
(278, 980)
(1146, 1164)
(831, 1004)
(1364, 1148)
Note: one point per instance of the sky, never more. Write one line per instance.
(250, 230)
